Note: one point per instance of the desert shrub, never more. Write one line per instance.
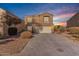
(25, 34)
(62, 29)
(56, 27)
(59, 28)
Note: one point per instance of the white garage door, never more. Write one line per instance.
(29, 28)
(45, 30)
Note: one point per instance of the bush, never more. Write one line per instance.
(26, 34)
(59, 28)
(62, 29)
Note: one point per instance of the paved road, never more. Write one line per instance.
(50, 45)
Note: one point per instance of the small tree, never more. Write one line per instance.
(59, 28)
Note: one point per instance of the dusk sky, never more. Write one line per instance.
(62, 11)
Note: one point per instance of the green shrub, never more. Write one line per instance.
(59, 28)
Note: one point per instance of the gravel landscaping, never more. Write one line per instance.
(15, 45)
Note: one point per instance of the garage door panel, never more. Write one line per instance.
(45, 30)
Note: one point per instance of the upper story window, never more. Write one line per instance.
(46, 19)
(29, 19)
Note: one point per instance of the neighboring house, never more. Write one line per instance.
(40, 23)
(8, 23)
(74, 21)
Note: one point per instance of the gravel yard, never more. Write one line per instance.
(41, 45)
(14, 45)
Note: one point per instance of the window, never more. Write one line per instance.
(46, 19)
(29, 19)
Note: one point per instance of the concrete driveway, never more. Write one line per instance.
(50, 45)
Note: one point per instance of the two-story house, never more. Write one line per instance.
(41, 23)
(8, 23)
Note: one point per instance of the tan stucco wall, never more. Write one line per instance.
(26, 19)
(4, 30)
(50, 19)
(5, 19)
(39, 19)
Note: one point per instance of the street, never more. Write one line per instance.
(50, 45)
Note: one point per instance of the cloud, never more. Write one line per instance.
(67, 15)
(61, 23)
(62, 18)
(64, 10)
